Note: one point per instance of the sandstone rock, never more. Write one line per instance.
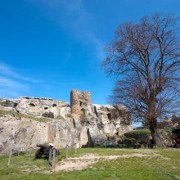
(24, 132)
(84, 137)
(80, 123)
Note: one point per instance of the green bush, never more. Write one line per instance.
(139, 131)
(136, 136)
(129, 142)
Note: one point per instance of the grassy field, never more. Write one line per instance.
(131, 164)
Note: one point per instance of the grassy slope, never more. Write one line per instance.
(166, 166)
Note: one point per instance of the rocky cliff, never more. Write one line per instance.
(26, 121)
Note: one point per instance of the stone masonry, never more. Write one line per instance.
(28, 121)
(79, 101)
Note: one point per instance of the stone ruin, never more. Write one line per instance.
(103, 123)
(29, 121)
(79, 101)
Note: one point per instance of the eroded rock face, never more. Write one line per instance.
(26, 122)
(40, 106)
(25, 132)
(105, 121)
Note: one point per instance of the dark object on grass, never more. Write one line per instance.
(44, 151)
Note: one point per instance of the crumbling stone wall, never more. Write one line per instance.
(79, 101)
(87, 124)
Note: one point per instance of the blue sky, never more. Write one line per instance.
(48, 47)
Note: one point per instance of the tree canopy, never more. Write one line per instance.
(145, 56)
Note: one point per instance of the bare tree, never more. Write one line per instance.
(146, 59)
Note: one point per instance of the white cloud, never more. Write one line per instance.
(81, 24)
(12, 84)
(8, 71)
(4, 69)
(74, 18)
(5, 82)
(10, 88)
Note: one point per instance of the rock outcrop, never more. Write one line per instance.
(27, 121)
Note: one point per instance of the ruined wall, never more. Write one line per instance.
(29, 121)
(79, 101)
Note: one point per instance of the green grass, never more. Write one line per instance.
(165, 166)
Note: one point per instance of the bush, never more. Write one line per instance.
(136, 136)
(139, 131)
(129, 142)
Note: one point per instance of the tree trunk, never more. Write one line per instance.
(152, 118)
(153, 129)
(155, 134)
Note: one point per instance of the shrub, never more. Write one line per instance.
(129, 142)
(140, 131)
(136, 136)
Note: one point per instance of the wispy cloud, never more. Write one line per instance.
(74, 18)
(5, 82)
(5, 70)
(8, 71)
(12, 84)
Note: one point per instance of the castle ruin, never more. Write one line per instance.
(87, 124)
(79, 101)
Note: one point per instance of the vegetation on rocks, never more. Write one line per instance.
(20, 115)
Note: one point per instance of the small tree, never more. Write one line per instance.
(146, 59)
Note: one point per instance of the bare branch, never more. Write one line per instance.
(146, 59)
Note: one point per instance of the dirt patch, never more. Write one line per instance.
(85, 161)
(70, 165)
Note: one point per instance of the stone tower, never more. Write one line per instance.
(79, 101)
